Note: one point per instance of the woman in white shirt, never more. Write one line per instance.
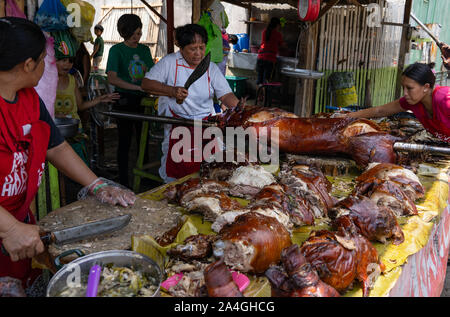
(167, 79)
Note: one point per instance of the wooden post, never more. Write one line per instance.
(2, 8)
(403, 47)
(196, 10)
(170, 26)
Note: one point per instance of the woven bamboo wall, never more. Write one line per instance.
(347, 43)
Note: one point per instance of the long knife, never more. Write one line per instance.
(82, 232)
(197, 73)
(426, 29)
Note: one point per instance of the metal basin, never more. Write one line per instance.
(68, 127)
(301, 73)
(119, 258)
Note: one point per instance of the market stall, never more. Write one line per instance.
(382, 218)
(422, 255)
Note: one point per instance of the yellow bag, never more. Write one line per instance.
(346, 97)
(83, 24)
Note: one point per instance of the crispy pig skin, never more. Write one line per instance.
(195, 247)
(298, 279)
(265, 234)
(376, 223)
(341, 257)
(360, 139)
(403, 177)
(295, 208)
(219, 281)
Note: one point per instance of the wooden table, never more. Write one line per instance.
(148, 217)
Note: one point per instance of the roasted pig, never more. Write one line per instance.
(296, 277)
(247, 181)
(391, 186)
(341, 257)
(296, 207)
(388, 194)
(310, 186)
(405, 178)
(192, 187)
(252, 242)
(359, 139)
(207, 197)
(376, 223)
(195, 247)
(219, 281)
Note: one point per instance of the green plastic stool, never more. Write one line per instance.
(140, 170)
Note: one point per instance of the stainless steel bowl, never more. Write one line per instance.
(68, 127)
(301, 73)
(119, 258)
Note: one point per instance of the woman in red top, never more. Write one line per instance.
(267, 54)
(28, 136)
(430, 104)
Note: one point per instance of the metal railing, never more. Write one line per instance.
(442, 78)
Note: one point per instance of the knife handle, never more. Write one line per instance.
(46, 237)
(179, 101)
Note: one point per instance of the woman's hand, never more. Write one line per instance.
(179, 93)
(22, 241)
(107, 191)
(115, 196)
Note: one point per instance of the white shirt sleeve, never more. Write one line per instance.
(218, 81)
(160, 71)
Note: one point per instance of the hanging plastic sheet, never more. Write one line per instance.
(52, 16)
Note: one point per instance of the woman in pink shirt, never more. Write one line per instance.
(430, 104)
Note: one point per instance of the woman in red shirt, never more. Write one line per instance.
(28, 137)
(267, 54)
(430, 104)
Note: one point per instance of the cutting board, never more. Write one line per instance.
(148, 218)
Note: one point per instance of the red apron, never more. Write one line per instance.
(181, 169)
(23, 148)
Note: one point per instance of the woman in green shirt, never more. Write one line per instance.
(127, 64)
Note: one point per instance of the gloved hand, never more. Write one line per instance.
(107, 191)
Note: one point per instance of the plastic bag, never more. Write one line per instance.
(48, 83)
(82, 31)
(218, 14)
(342, 84)
(12, 10)
(52, 16)
(107, 191)
(215, 43)
(65, 44)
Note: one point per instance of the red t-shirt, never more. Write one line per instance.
(439, 125)
(269, 49)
